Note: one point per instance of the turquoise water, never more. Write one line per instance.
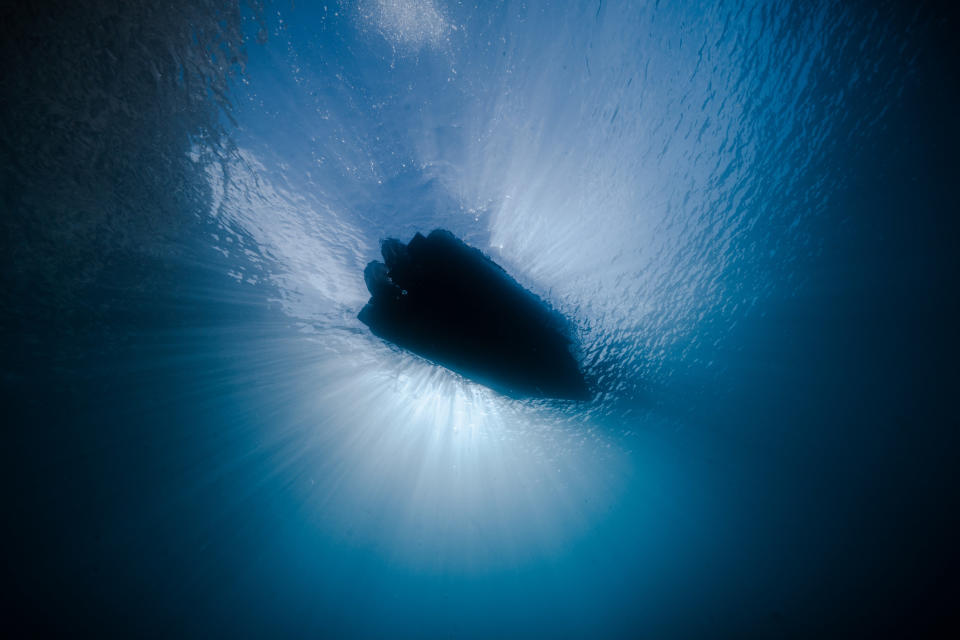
(745, 209)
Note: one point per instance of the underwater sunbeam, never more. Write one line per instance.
(463, 478)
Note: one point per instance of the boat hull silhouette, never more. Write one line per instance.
(451, 304)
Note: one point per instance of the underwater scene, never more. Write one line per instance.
(501, 319)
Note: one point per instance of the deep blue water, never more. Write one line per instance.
(747, 210)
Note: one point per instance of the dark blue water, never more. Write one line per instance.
(747, 211)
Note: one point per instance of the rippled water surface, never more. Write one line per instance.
(744, 208)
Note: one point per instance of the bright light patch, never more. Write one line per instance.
(412, 23)
(410, 459)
